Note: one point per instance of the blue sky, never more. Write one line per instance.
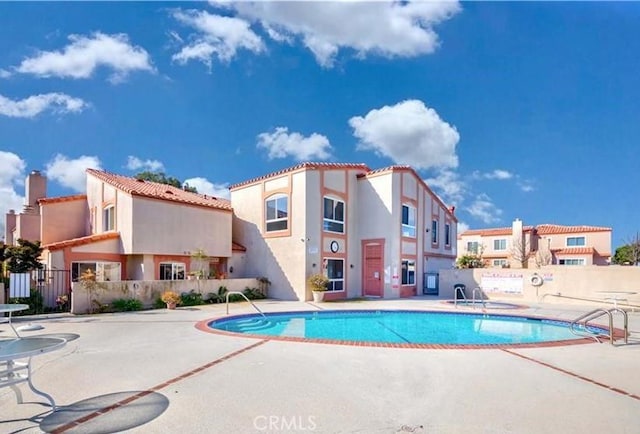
(507, 110)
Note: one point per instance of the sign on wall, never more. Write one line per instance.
(511, 283)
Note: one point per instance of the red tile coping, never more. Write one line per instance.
(82, 240)
(204, 326)
(543, 229)
(59, 199)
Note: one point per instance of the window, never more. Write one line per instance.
(108, 218)
(575, 241)
(277, 213)
(333, 215)
(434, 231)
(104, 271)
(172, 271)
(499, 262)
(335, 273)
(408, 272)
(447, 234)
(571, 262)
(408, 221)
(500, 244)
(473, 247)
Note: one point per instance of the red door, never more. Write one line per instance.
(373, 275)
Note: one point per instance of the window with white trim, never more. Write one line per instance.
(576, 241)
(500, 244)
(104, 271)
(499, 262)
(571, 261)
(333, 215)
(408, 272)
(473, 247)
(277, 213)
(434, 231)
(109, 218)
(335, 273)
(408, 221)
(172, 271)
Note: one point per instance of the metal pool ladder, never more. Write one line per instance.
(583, 321)
(473, 299)
(246, 298)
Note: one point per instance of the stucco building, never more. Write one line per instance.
(545, 244)
(372, 232)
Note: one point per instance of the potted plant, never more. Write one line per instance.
(171, 298)
(318, 284)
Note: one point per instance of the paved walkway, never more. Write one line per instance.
(154, 372)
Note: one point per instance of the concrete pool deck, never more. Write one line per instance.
(154, 372)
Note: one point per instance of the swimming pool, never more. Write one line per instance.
(400, 328)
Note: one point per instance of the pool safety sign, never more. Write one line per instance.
(511, 283)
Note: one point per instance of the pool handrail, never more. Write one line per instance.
(246, 298)
(473, 298)
(597, 313)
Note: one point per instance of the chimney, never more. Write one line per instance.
(35, 188)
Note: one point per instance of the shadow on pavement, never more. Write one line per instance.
(112, 413)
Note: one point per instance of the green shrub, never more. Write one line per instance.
(253, 293)
(218, 297)
(191, 298)
(159, 304)
(126, 304)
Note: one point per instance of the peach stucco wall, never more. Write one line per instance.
(572, 282)
(64, 220)
(163, 227)
(27, 227)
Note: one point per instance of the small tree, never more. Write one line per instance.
(161, 178)
(521, 251)
(470, 260)
(24, 257)
(543, 257)
(628, 254)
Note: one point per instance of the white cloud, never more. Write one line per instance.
(85, 54)
(135, 163)
(4, 73)
(204, 186)
(282, 144)
(499, 174)
(408, 133)
(217, 36)
(526, 186)
(11, 173)
(462, 227)
(484, 209)
(448, 185)
(386, 28)
(71, 172)
(36, 104)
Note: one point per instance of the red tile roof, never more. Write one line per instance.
(47, 200)
(574, 251)
(82, 240)
(547, 229)
(155, 190)
(236, 247)
(306, 165)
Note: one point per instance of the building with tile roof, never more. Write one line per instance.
(544, 244)
(380, 233)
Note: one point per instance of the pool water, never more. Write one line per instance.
(404, 327)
